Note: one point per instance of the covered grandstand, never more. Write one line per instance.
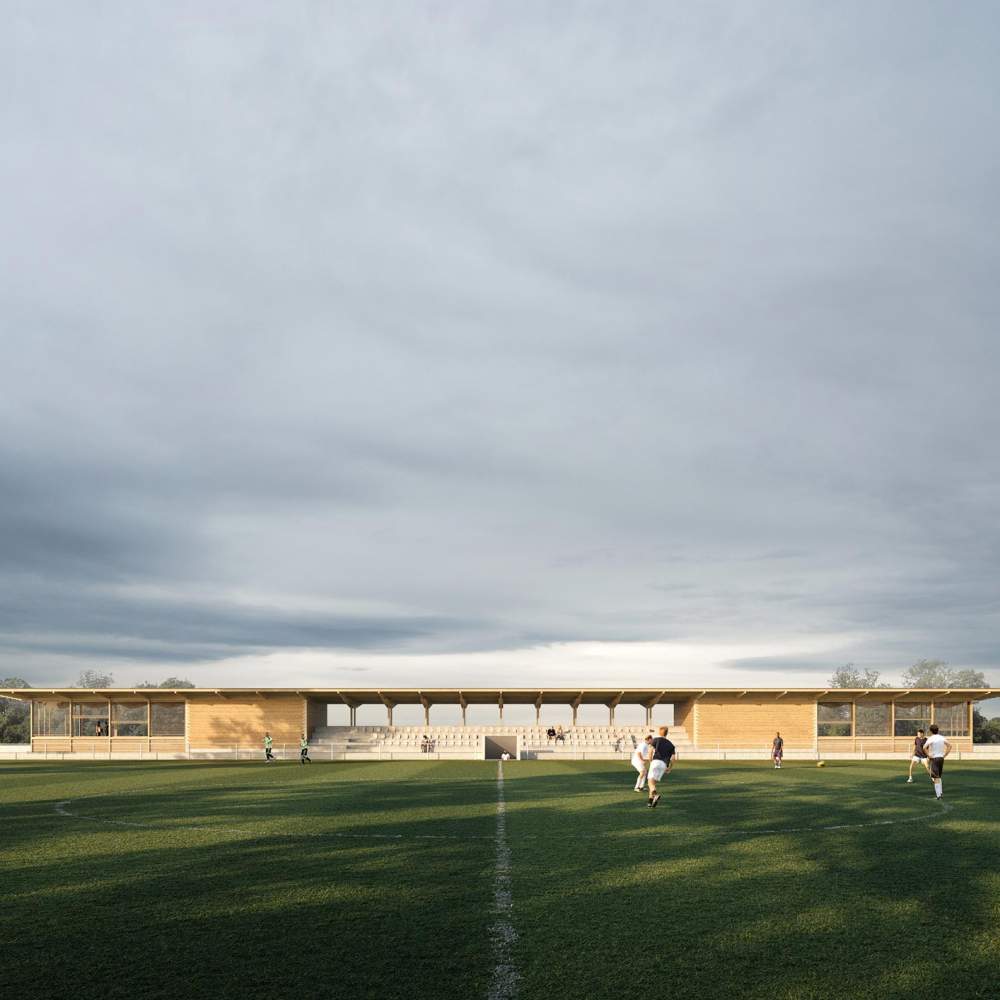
(704, 721)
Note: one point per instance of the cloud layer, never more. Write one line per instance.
(373, 331)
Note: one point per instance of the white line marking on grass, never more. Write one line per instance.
(505, 981)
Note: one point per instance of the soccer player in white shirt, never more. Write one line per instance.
(640, 761)
(937, 748)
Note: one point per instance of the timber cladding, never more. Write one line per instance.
(726, 720)
(225, 722)
(684, 716)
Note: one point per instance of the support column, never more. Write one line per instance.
(649, 716)
(574, 714)
(464, 707)
(612, 705)
(538, 715)
(427, 714)
(388, 709)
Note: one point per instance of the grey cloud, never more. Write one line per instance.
(536, 327)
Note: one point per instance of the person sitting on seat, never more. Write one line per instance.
(551, 733)
(560, 735)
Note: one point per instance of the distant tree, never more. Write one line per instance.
(849, 676)
(147, 684)
(176, 682)
(94, 679)
(937, 674)
(14, 715)
(984, 730)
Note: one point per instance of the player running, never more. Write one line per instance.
(937, 748)
(268, 745)
(777, 750)
(640, 761)
(304, 750)
(919, 754)
(664, 753)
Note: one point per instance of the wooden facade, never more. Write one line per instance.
(821, 719)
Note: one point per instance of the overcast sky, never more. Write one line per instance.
(358, 344)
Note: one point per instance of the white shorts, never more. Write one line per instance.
(657, 769)
(918, 760)
(639, 765)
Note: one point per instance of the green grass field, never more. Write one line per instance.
(377, 880)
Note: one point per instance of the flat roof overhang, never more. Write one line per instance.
(509, 696)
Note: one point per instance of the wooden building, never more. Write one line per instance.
(165, 721)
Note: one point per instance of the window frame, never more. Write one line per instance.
(116, 722)
(78, 719)
(154, 722)
(839, 725)
(41, 709)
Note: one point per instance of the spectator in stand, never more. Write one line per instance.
(551, 733)
(560, 735)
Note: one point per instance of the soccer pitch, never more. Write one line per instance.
(407, 879)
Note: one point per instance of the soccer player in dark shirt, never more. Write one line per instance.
(777, 749)
(919, 755)
(664, 754)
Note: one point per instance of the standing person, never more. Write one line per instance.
(777, 750)
(664, 753)
(919, 754)
(304, 750)
(937, 748)
(268, 747)
(640, 761)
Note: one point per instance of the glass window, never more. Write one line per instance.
(167, 718)
(872, 718)
(50, 718)
(911, 716)
(90, 718)
(833, 718)
(129, 718)
(952, 718)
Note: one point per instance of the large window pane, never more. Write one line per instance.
(90, 718)
(167, 719)
(129, 718)
(872, 719)
(833, 718)
(911, 716)
(50, 718)
(952, 718)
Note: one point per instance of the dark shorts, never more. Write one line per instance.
(778, 754)
(937, 766)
